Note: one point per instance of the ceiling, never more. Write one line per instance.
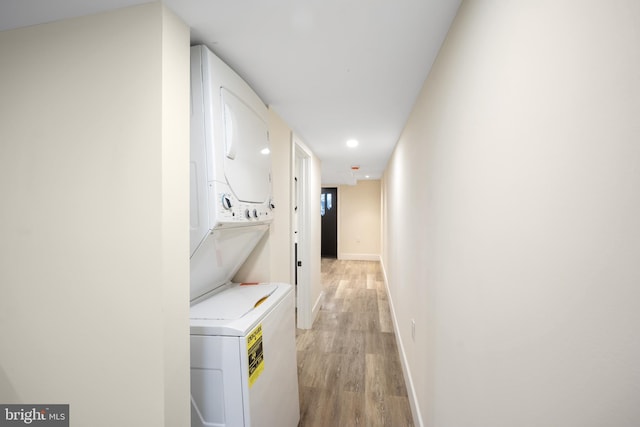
(333, 70)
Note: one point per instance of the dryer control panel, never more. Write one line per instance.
(232, 211)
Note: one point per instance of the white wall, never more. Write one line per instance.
(359, 221)
(511, 209)
(94, 267)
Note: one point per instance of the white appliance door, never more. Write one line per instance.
(216, 382)
(247, 162)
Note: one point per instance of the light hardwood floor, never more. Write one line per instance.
(349, 371)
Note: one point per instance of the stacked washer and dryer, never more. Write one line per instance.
(243, 356)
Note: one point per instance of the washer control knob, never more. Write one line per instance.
(272, 205)
(247, 214)
(255, 213)
(226, 201)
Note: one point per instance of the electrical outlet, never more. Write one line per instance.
(413, 329)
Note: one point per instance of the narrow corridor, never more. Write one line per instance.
(349, 370)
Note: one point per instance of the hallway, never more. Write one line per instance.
(349, 370)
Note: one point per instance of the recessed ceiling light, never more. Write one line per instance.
(352, 143)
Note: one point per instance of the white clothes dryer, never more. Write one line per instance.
(243, 355)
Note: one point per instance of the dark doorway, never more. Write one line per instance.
(329, 213)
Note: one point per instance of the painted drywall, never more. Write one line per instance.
(257, 267)
(359, 221)
(176, 61)
(94, 269)
(281, 176)
(271, 260)
(511, 230)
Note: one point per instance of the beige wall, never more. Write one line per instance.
(359, 221)
(175, 213)
(271, 260)
(94, 266)
(511, 220)
(257, 267)
(280, 231)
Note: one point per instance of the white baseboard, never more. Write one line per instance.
(306, 322)
(359, 257)
(316, 307)
(411, 391)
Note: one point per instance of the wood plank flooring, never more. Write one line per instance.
(349, 371)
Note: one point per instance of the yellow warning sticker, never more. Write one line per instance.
(256, 354)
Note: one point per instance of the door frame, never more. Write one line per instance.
(337, 217)
(301, 158)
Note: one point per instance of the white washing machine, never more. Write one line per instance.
(243, 356)
(241, 367)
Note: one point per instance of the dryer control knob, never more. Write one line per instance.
(255, 213)
(226, 201)
(247, 214)
(272, 206)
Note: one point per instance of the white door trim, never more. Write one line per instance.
(301, 159)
